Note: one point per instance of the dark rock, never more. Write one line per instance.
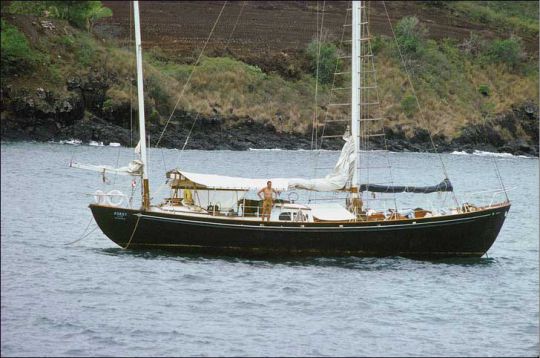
(73, 83)
(420, 135)
(96, 129)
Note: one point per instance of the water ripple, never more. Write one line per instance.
(93, 298)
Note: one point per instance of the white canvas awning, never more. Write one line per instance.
(334, 181)
(222, 182)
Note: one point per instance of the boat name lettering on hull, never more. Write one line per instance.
(119, 215)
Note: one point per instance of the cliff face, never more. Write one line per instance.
(253, 92)
(43, 116)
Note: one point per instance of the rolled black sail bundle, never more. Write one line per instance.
(445, 185)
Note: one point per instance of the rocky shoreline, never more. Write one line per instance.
(255, 136)
(80, 114)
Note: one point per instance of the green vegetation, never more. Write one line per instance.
(16, 54)
(408, 105)
(234, 88)
(508, 51)
(452, 79)
(410, 35)
(484, 90)
(457, 82)
(324, 59)
(84, 50)
(82, 14)
(517, 16)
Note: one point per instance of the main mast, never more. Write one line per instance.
(356, 61)
(140, 95)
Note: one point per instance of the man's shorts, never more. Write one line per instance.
(267, 206)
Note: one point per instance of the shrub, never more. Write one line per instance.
(328, 59)
(28, 7)
(377, 44)
(509, 52)
(484, 90)
(156, 91)
(16, 54)
(85, 50)
(409, 106)
(410, 35)
(107, 104)
(82, 14)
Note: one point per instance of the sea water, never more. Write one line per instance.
(93, 298)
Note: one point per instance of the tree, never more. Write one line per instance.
(96, 12)
(324, 58)
(410, 34)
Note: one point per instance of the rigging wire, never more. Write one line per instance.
(190, 75)
(235, 24)
(117, 164)
(186, 141)
(420, 108)
(332, 94)
(314, 122)
(378, 100)
(130, 79)
(500, 178)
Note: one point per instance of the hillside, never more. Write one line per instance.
(474, 66)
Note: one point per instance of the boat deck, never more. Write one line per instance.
(379, 216)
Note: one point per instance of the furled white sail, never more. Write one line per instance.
(336, 180)
(134, 168)
(340, 175)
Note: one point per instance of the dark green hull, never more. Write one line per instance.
(462, 235)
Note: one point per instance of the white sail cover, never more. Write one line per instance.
(331, 212)
(336, 180)
(134, 168)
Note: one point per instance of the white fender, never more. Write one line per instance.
(99, 197)
(115, 197)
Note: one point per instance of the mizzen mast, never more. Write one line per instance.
(355, 85)
(140, 95)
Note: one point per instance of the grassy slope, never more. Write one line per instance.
(505, 16)
(448, 90)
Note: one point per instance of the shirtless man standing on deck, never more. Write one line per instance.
(268, 200)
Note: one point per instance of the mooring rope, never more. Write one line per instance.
(133, 233)
(83, 234)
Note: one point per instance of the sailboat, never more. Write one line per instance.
(212, 214)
